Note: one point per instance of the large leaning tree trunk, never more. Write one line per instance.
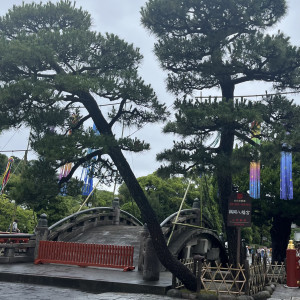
(148, 214)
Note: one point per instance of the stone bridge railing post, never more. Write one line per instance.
(116, 207)
(143, 237)
(151, 266)
(196, 204)
(41, 232)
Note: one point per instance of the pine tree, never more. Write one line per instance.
(204, 44)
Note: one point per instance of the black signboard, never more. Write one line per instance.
(239, 210)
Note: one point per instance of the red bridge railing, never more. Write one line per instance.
(12, 237)
(108, 256)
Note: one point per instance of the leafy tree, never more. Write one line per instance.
(102, 198)
(3, 163)
(205, 44)
(36, 188)
(165, 196)
(9, 211)
(132, 208)
(99, 198)
(57, 76)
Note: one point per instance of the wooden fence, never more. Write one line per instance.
(109, 256)
(242, 280)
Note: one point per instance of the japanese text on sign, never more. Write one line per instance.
(239, 210)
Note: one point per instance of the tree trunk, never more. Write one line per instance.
(224, 172)
(159, 243)
(113, 150)
(280, 234)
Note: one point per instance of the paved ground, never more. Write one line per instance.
(95, 280)
(21, 291)
(284, 293)
(27, 281)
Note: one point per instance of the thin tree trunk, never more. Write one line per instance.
(224, 172)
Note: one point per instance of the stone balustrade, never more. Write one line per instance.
(14, 252)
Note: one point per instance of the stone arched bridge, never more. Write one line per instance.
(113, 226)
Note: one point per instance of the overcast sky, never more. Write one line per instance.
(122, 17)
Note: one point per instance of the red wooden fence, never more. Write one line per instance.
(15, 239)
(108, 256)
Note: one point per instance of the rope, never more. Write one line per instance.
(87, 198)
(180, 208)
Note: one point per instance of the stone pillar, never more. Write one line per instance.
(41, 233)
(201, 247)
(196, 203)
(116, 207)
(9, 253)
(213, 254)
(151, 267)
(143, 237)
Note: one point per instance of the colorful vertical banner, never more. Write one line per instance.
(286, 181)
(255, 179)
(64, 172)
(254, 182)
(6, 173)
(66, 169)
(88, 181)
(87, 173)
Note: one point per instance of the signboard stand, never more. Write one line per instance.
(239, 215)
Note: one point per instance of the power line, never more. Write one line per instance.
(252, 96)
(110, 104)
(245, 96)
(10, 138)
(14, 150)
(145, 124)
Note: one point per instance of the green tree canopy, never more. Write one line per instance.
(10, 211)
(36, 188)
(166, 195)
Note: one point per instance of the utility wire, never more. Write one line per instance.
(252, 96)
(110, 104)
(9, 139)
(15, 150)
(249, 96)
